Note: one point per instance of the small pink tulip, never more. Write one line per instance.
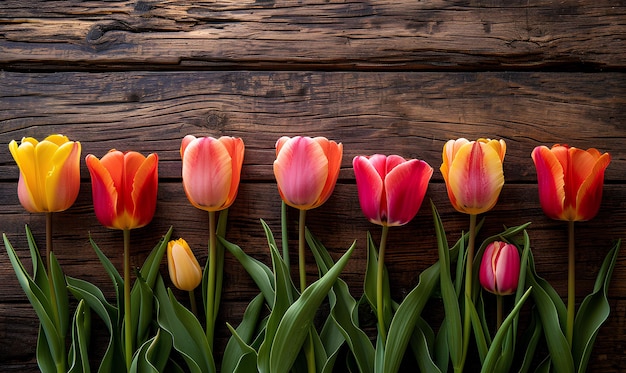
(391, 189)
(499, 268)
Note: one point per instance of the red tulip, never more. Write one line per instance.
(570, 181)
(391, 189)
(306, 170)
(499, 268)
(473, 173)
(211, 170)
(124, 188)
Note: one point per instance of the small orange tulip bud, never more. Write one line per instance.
(185, 272)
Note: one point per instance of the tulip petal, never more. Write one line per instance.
(103, 190)
(551, 181)
(334, 154)
(405, 188)
(507, 270)
(236, 150)
(144, 192)
(589, 195)
(27, 190)
(63, 179)
(369, 184)
(301, 170)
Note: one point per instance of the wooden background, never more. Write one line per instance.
(386, 77)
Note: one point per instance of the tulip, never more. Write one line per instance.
(570, 181)
(391, 189)
(473, 173)
(183, 266)
(211, 170)
(306, 170)
(124, 188)
(184, 269)
(570, 189)
(474, 178)
(49, 172)
(499, 268)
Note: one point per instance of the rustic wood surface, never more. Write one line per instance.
(381, 77)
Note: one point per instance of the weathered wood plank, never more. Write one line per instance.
(411, 114)
(313, 34)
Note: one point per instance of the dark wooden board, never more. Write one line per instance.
(411, 114)
(439, 35)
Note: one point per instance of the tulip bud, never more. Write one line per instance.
(185, 272)
(499, 268)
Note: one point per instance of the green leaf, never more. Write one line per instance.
(60, 290)
(246, 360)
(344, 310)
(549, 314)
(297, 320)
(238, 346)
(530, 339)
(81, 332)
(370, 287)
(283, 298)
(153, 355)
(496, 349)
(187, 334)
(262, 276)
(449, 296)
(41, 304)
(593, 312)
(422, 343)
(141, 310)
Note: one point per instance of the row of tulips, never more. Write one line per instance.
(151, 330)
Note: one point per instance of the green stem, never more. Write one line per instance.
(301, 250)
(467, 325)
(379, 285)
(210, 298)
(128, 333)
(192, 301)
(309, 348)
(571, 284)
(498, 312)
(53, 295)
(284, 233)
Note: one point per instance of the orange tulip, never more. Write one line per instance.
(211, 170)
(184, 269)
(124, 188)
(473, 173)
(306, 170)
(570, 181)
(49, 172)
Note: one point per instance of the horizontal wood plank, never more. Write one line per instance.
(411, 114)
(309, 34)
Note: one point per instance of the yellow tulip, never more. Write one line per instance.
(183, 266)
(49, 172)
(473, 173)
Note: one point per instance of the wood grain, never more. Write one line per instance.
(434, 35)
(384, 76)
(411, 114)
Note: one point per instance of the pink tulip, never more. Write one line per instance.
(306, 170)
(499, 268)
(391, 189)
(211, 170)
